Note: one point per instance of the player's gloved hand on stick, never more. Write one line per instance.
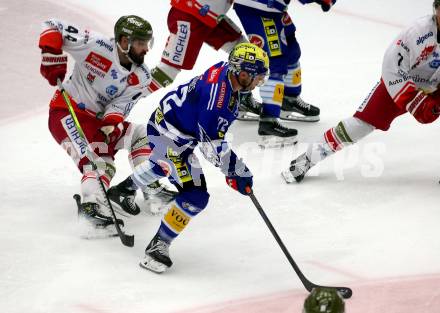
(326, 4)
(110, 133)
(240, 179)
(53, 60)
(425, 107)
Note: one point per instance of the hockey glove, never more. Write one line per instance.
(111, 133)
(53, 61)
(53, 66)
(425, 108)
(240, 179)
(326, 4)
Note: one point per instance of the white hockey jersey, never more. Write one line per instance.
(412, 62)
(99, 84)
(207, 11)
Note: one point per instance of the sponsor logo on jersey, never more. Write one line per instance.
(90, 78)
(424, 55)
(256, 40)
(232, 104)
(99, 61)
(132, 79)
(102, 99)
(204, 10)
(178, 43)
(221, 96)
(145, 71)
(104, 44)
(422, 39)
(94, 70)
(114, 74)
(192, 84)
(86, 36)
(434, 63)
(403, 45)
(286, 20)
(111, 90)
(214, 74)
(158, 116)
(128, 107)
(395, 82)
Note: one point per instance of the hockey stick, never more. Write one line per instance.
(344, 291)
(127, 240)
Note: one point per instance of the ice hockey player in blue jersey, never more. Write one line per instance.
(197, 113)
(269, 26)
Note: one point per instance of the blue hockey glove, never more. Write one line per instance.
(240, 180)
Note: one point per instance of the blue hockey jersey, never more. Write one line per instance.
(200, 112)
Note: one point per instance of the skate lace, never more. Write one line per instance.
(131, 203)
(161, 247)
(302, 103)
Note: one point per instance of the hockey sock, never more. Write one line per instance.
(292, 81)
(139, 151)
(272, 95)
(162, 76)
(90, 186)
(345, 133)
(175, 221)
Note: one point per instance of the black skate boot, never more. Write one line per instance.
(298, 169)
(157, 257)
(158, 196)
(124, 199)
(248, 108)
(296, 109)
(274, 135)
(94, 223)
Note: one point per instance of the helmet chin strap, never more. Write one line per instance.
(125, 52)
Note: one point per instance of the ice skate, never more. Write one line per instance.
(296, 109)
(157, 258)
(157, 197)
(274, 135)
(248, 108)
(123, 200)
(93, 224)
(297, 170)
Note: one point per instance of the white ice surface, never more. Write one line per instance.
(342, 227)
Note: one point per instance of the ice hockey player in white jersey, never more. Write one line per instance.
(409, 83)
(108, 78)
(191, 24)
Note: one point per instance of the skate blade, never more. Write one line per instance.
(248, 116)
(116, 207)
(152, 265)
(297, 117)
(87, 230)
(288, 177)
(273, 142)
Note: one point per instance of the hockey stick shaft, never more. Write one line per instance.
(344, 291)
(127, 240)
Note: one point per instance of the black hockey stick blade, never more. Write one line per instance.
(127, 240)
(345, 292)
